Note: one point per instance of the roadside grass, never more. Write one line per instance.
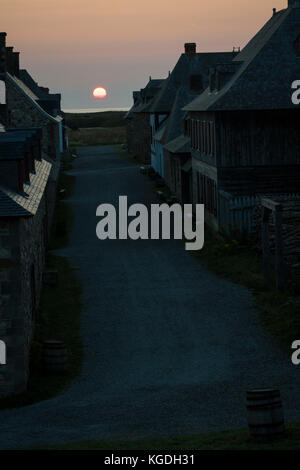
(58, 315)
(100, 119)
(97, 136)
(227, 440)
(279, 310)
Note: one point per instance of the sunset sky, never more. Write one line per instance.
(73, 46)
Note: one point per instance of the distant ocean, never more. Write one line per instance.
(94, 110)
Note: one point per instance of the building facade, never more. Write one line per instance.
(243, 128)
(32, 141)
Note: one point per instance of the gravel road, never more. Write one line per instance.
(169, 347)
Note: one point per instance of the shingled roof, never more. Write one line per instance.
(198, 64)
(179, 145)
(264, 69)
(13, 204)
(173, 126)
(30, 95)
(176, 93)
(146, 96)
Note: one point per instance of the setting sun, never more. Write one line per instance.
(99, 92)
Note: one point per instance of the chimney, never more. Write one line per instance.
(16, 57)
(190, 49)
(9, 60)
(2, 52)
(44, 89)
(274, 11)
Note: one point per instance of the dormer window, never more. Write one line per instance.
(196, 83)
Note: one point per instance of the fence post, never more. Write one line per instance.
(266, 245)
(279, 250)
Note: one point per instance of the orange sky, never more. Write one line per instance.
(72, 46)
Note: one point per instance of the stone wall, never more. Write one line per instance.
(23, 113)
(22, 258)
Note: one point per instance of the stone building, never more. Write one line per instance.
(138, 121)
(31, 144)
(244, 128)
(24, 176)
(29, 105)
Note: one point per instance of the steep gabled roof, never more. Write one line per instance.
(31, 96)
(13, 204)
(39, 91)
(147, 95)
(268, 66)
(198, 64)
(176, 93)
(174, 123)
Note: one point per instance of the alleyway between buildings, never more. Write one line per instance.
(169, 348)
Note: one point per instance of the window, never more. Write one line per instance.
(193, 134)
(199, 135)
(209, 138)
(213, 144)
(196, 134)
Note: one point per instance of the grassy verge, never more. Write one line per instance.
(97, 136)
(101, 119)
(228, 440)
(279, 311)
(58, 315)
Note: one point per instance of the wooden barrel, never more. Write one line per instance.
(55, 356)
(265, 413)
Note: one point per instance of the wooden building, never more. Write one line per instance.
(169, 149)
(244, 128)
(138, 121)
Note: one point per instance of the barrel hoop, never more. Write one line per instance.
(267, 425)
(269, 406)
(262, 395)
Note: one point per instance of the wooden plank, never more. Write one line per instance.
(266, 246)
(279, 249)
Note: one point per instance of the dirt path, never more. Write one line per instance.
(169, 347)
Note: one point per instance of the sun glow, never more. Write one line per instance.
(99, 92)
